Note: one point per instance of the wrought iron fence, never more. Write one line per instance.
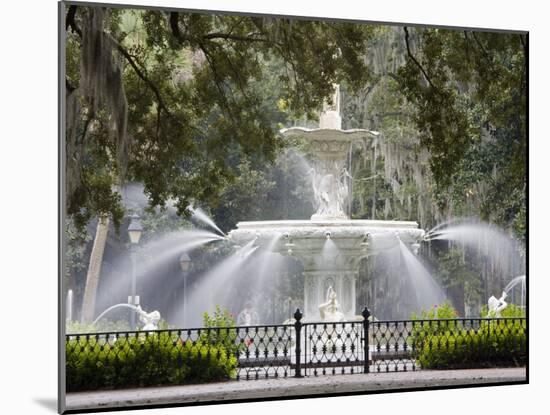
(405, 345)
(141, 358)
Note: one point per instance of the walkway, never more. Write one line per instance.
(276, 388)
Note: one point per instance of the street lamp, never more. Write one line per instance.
(135, 229)
(134, 234)
(185, 264)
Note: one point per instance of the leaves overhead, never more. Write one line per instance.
(462, 84)
(193, 87)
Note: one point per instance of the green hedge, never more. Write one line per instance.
(144, 360)
(496, 343)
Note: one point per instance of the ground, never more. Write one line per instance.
(281, 387)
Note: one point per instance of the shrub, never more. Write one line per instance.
(511, 310)
(435, 321)
(221, 331)
(147, 359)
(442, 311)
(495, 343)
(75, 327)
(78, 327)
(441, 341)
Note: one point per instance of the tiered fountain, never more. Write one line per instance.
(330, 245)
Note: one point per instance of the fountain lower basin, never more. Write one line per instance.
(306, 240)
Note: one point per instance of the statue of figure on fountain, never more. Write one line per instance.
(330, 190)
(150, 320)
(343, 188)
(329, 310)
(322, 189)
(495, 306)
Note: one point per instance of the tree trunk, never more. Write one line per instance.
(94, 270)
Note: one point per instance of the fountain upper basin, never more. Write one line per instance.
(352, 237)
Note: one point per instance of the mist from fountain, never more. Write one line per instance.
(521, 279)
(514, 282)
(428, 291)
(486, 239)
(329, 255)
(114, 307)
(266, 260)
(151, 257)
(175, 244)
(204, 218)
(202, 297)
(134, 198)
(253, 283)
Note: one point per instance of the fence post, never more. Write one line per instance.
(298, 328)
(366, 315)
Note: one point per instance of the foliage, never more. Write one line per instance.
(103, 326)
(220, 330)
(437, 312)
(145, 360)
(160, 222)
(408, 173)
(77, 327)
(206, 95)
(75, 257)
(453, 270)
(241, 199)
(281, 190)
(495, 343)
(441, 341)
(194, 85)
(433, 322)
(459, 82)
(510, 311)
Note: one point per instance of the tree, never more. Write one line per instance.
(164, 98)
(451, 109)
(94, 270)
(422, 167)
(469, 90)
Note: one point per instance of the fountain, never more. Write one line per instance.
(330, 245)
(150, 320)
(496, 305)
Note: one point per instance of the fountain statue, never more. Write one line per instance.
(150, 320)
(330, 309)
(329, 227)
(495, 306)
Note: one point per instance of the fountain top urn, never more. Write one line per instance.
(330, 146)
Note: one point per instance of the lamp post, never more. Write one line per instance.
(134, 234)
(185, 263)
